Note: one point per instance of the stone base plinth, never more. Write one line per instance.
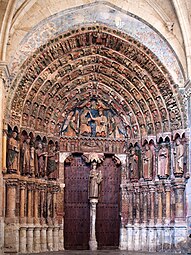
(93, 245)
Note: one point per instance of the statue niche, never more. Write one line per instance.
(93, 119)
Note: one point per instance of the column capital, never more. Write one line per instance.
(167, 185)
(178, 183)
(30, 186)
(23, 185)
(12, 183)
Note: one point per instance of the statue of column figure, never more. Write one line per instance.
(179, 158)
(95, 178)
(163, 161)
(13, 153)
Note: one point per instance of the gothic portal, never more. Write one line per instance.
(95, 141)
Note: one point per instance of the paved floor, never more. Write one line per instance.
(108, 252)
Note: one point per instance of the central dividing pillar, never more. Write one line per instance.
(93, 241)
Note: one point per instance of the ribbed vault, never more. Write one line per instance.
(95, 62)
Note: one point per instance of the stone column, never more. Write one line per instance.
(151, 231)
(23, 240)
(145, 202)
(11, 198)
(92, 241)
(160, 206)
(55, 239)
(152, 201)
(11, 238)
(4, 80)
(137, 203)
(130, 205)
(22, 202)
(30, 239)
(179, 188)
(29, 203)
(168, 201)
(36, 203)
(42, 204)
(4, 156)
(124, 201)
(37, 239)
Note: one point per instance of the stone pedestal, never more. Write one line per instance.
(130, 237)
(144, 238)
(61, 238)
(30, 239)
(55, 239)
(136, 238)
(152, 239)
(23, 240)
(123, 244)
(92, 241)
(49, 239)
(43, 239)
(37, 239)
(11, 234)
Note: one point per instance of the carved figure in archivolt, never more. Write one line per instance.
(179, 158)
(12, 153)
(133, 164)
(95, 178)
(41, 161)
(163, 161)
(52, 162)
(147, 160)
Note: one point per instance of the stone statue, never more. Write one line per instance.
(101, 123)
(147, 163)
(163, 162)
(52, 161)
(41, 161)
(12, 154)
(26, 157)
(85, 128)
(179, 158)
(133, 164)
(95, 178)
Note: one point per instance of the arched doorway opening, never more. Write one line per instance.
(77, 204)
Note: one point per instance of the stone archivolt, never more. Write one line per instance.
(95, 62)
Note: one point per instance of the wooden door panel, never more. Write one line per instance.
(77, 212)
(107, 220)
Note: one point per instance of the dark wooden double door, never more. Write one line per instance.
(77, 207)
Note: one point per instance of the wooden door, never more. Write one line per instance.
(77, 207)
(108, 208)
(77, 212)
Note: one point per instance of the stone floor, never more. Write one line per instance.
(108, 252)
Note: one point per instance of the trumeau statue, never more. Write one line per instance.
(95, 178)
